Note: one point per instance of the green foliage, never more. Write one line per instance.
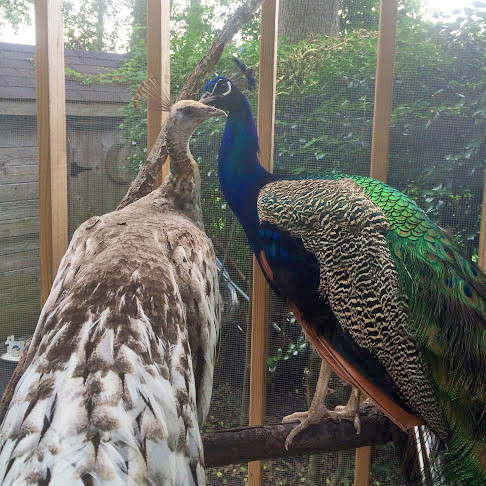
(324, 113)
(293, 349)
(359, 14)
(15, 13)
(95, 25)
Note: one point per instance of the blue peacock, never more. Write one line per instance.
(382, 292)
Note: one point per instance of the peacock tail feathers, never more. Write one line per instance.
(447, 313)
(443, 288)
(444, 294)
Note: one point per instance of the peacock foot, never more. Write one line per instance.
(314, 415)
(318, 412)
(350, 411)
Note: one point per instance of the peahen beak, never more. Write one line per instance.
(212, 111)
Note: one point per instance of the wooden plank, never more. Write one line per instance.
(17, 171)
(51, 138)
(385, 66)
(27, 208)
(18, 295)
(19, 227)
(158, 70)
(8, 154)
(20, 260)
(260, 293)
(19, 192)
(19, 277)
(19, 319)
(384, 88)
(482, 231)
(362, 466)
(95, 191)
(18, 244)
(28, 108)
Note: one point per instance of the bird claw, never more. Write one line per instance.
(349, 413)
(305, 418)
(316, 416)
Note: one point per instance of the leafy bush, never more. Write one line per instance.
(324, 113)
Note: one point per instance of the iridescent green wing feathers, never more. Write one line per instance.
(447, 313)
(446, 293)
(400, 286)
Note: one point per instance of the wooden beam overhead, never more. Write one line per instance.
(51, 138)
(260, 295)
(158, 71)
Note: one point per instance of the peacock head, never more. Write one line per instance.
(222, 93)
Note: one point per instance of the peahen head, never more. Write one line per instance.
(222, 93)
(186, 115)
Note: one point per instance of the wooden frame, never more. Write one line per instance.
(51, 132)
(482, 231)
(158, 71)
(51, 139)
(385, 67)
(260, 293)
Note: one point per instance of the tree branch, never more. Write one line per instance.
(246, 444)
(144, 182)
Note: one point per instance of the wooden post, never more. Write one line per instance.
(482, 231)
(385, 66)
(384, 88)
(51, 139)
(158, 71)
(260, 300)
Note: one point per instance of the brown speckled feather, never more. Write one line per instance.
(122, 359)
(346, 231)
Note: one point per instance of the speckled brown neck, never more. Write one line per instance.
(182, 187)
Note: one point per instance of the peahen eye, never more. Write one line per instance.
(189, 111)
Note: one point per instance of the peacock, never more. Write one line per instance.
(120, 367)
(382, 292)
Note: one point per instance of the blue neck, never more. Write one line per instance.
(240, 174)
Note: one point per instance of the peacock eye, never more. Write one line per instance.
(189, 111)
(223, 87)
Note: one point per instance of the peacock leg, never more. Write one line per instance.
(351, 409)
(317, 410)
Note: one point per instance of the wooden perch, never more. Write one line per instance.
(246, 444)
(144, 182)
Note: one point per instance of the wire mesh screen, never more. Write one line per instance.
(324, 116)
(99, 172)
(19, 201)
(323, 123)
(229, 404)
